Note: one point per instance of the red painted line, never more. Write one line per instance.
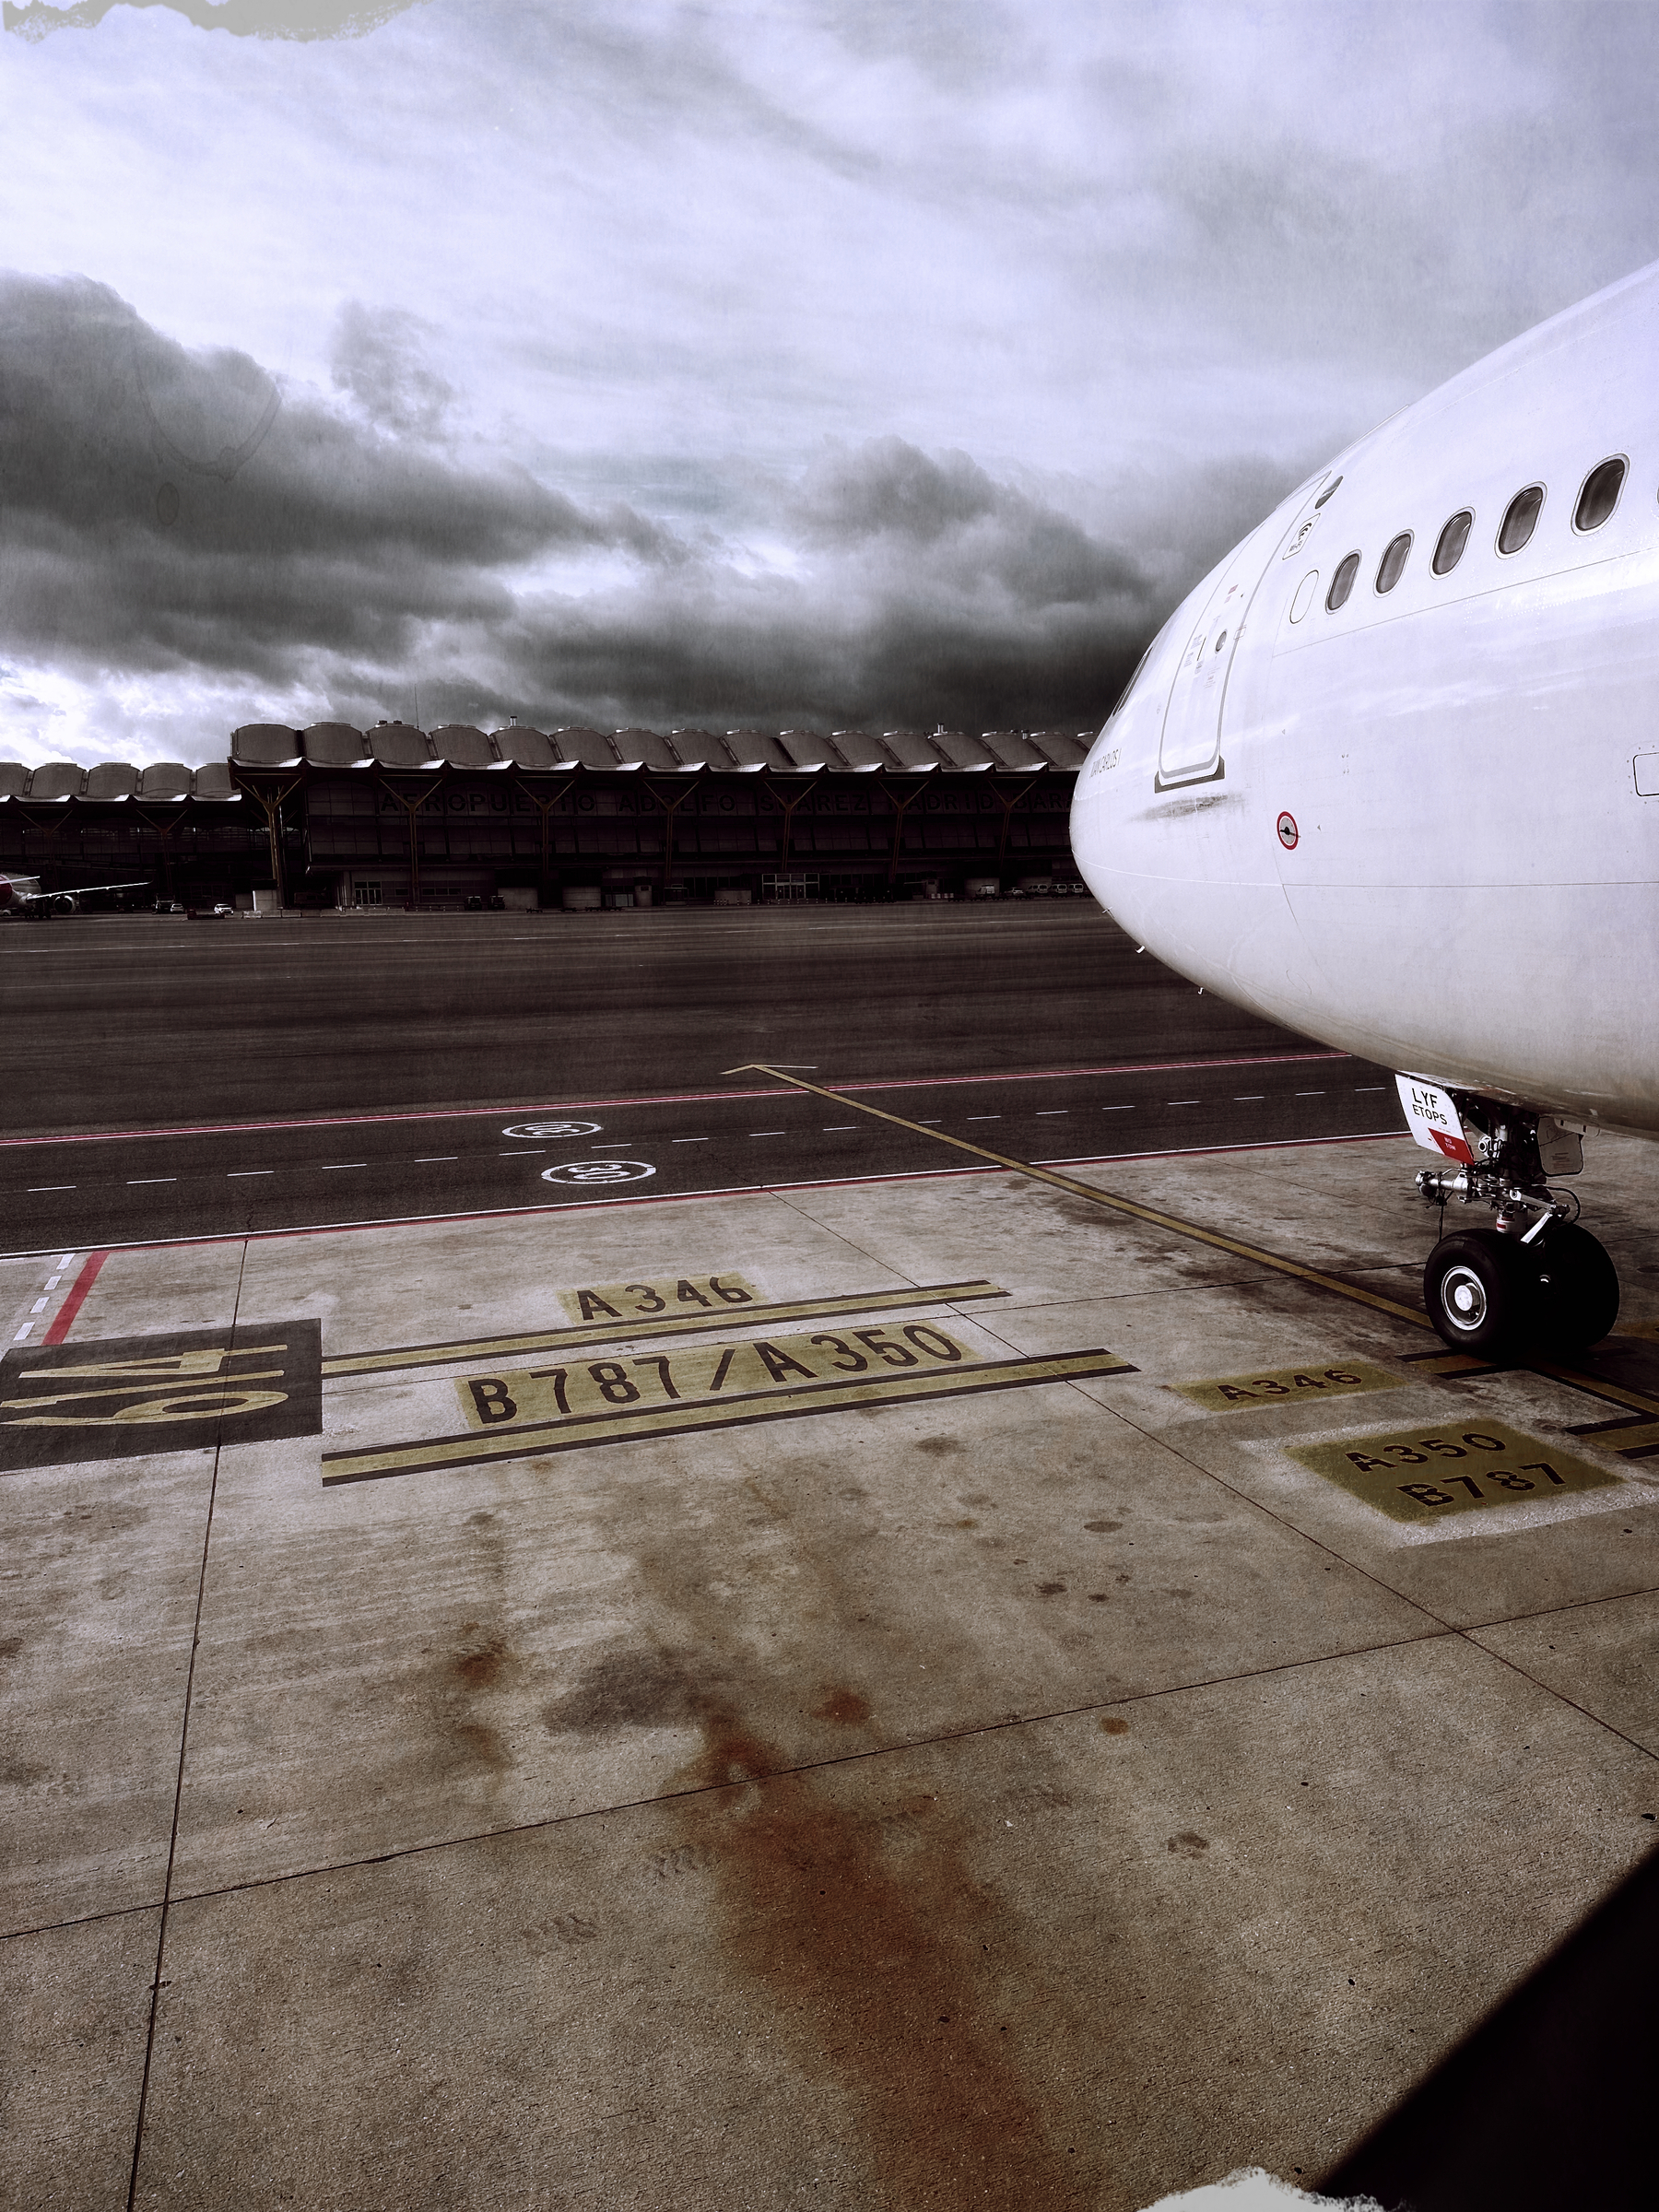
(75, 1299)
(361, 1121)
(666, 1098)
(735, 1190)
(517, 1213)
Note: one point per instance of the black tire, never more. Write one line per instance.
(1481, 1291)
(1577, 1288)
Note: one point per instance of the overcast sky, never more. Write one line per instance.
(616, 361)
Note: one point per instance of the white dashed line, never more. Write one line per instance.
(134, 1181)
(1310, 1094)
(769, 1133)
(985, 1117)
(35, 1187)
(1117, 1109)
(241, 1174)
(1248, 1097)
(1047, 1114)
(1369, 1090)
(838, 1128)
(334, 1166)
(688, 1140)
(1183, 1101)
(23, 1332)
(40, 1305)
(430, 1160)
(533, 1152)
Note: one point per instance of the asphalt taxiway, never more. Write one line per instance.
(158, 1021)
(134, 1185)
(995, 1676)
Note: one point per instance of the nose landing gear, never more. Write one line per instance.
(1535, 1278)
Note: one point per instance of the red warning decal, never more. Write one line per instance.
(1288, 831)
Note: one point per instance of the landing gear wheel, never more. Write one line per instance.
(1577, 1288)
(1481, 1291)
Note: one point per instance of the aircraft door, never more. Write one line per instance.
(1190, 747)
(1190, 751)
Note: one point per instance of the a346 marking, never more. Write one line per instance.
(1286, 1385)
(680, 1317)
(645, 1301)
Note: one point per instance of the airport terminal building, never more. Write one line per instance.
(336, 816)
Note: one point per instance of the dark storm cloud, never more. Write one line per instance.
(781, 655)
(158, 511)
(175, 513)
(922, 589)
(888, 499)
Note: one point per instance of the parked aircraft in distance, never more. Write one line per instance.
(1390, 775)
(23, 894)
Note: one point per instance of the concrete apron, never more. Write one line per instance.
(1053, 1793)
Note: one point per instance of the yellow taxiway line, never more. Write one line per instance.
(1110, 1200)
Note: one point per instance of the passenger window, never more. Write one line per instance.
(1452, 539)
(1600, 495)
(1392, 566)
(1342, 584)
(1520, 519)
(1326, 494)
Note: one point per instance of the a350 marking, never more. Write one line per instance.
(1489, 1466)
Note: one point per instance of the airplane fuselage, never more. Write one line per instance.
(1422, 823)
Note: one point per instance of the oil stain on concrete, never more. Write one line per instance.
(880, 1959)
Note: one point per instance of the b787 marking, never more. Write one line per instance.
(1450, 1471)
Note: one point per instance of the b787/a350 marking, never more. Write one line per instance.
(543, 1393)
(646, 1399)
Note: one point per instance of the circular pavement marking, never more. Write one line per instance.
(552, 1129)
(597, 1170)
